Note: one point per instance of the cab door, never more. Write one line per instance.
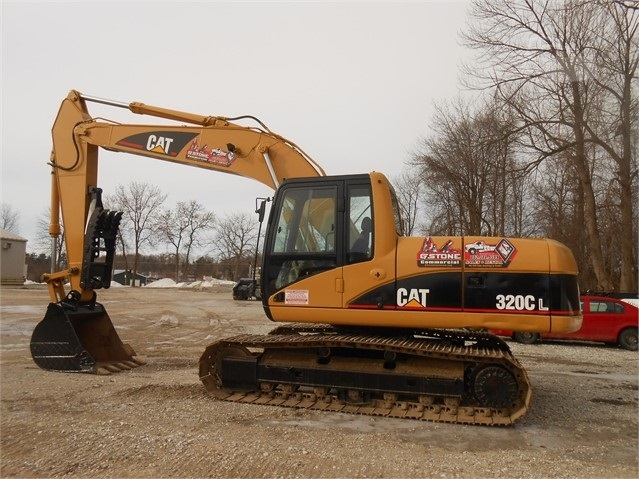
(302, 263)
(372, 227)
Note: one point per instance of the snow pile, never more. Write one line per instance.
(168, 319)
(162, 283)
(169, 283)
(209, 283)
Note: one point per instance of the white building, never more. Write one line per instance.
(13, 251)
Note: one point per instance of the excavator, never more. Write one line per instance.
(373, 322)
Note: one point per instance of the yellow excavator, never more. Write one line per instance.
(377, 322)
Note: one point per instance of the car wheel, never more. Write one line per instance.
(628, 339)
(526, 338)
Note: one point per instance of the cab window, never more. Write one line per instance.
(360, 228)
(304, 241)
(306, 222)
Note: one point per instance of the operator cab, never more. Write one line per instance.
(315, 226)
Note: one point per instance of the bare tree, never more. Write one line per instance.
(452, 172)
(122, 241)
(615, 66)
(53, 246)
(557, 197)
(9, 218)
(182, 228)
(468, 170)
(235, 239)
(172, 227)
(140, 203)
(560, 66)
(409, 192)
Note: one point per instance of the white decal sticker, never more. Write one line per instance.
(517, 302)
(541, 305)
(159, 144)
(412, 297)
(296, 296)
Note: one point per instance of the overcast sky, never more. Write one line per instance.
(352, 83)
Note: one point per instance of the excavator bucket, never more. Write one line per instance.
(79, 336)
(80, 339)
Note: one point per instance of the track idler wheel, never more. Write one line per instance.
(494, 386)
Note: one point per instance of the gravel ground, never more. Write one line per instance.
(157, 420)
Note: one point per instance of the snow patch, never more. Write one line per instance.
(168, 320)
(169, 283)
(162, 283)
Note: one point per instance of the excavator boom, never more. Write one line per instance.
(212, 143)
(77, 333)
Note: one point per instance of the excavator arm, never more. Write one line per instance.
(209, 142)
(77, 333)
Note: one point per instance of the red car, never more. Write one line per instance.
(609, 320)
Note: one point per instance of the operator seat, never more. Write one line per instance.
(361, 243)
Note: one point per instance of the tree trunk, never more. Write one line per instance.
(593, 238)
(177, 265)
(628, 278)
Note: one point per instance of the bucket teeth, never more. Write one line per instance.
(104, 368)
(134, 363)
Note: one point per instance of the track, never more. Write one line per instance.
(442, 376)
